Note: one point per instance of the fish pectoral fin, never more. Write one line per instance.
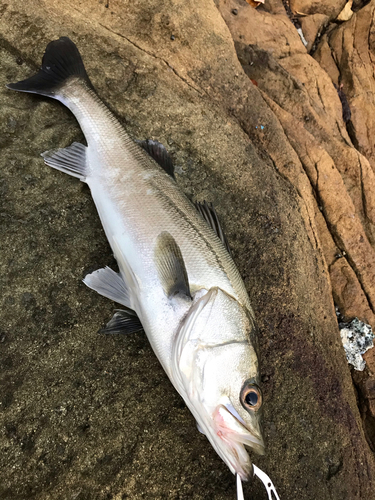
(209, 214)
(109, 284)
(123, 322)
(70, 160)
(159, 153)
(171, 266)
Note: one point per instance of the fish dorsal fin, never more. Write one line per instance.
(61, 61)
(159, 153)
(70, 160)
(170, 265)
(123, 322)
(209, 214)
(109, 284)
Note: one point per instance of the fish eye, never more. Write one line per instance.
(251, 397)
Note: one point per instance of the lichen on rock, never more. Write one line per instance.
(357, 338)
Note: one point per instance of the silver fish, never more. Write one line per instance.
(177, 279)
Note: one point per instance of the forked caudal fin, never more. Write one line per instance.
(61, 61)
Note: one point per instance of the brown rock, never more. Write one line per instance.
(258, 28)
(323, 55)
(369, 386)
(310, 112)
(336, 204)
(351, 48)
(371, 403)
(330, 8)
(358, 4)
(347, 51)
(275, 7)
(348, 294)
(369, 357)
(329, 248)
(346, 12)
(312, 26)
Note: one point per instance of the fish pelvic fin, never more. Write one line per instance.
(61, 61)
(123, 322)
(70, 160)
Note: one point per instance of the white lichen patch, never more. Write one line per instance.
(357, 338)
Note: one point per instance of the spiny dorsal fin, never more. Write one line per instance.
(123, 322)
(61, 61)
(171, 266)
(70, 160)
(158, 152)
(209, 214)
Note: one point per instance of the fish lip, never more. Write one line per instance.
(234, 437)
(253, 441)
(229, 437)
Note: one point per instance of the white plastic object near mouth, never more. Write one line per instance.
(239, 488)
(271, 491)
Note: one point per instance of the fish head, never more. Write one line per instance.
(217, 373)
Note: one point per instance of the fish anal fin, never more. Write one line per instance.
(70, 160)
(109, 284)
(123, 322)
(209, 214)
(170, 265)
(159, 153)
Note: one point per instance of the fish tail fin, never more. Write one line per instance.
(61, 61)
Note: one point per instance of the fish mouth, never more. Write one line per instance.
(252, 439)
(234, 435)
(248, 437)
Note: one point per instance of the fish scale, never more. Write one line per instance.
(148, 203)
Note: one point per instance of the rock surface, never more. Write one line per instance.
(86, 416)
(346, 53)
(330, 8)
(351, 61)
(312, 27)
(328, 172)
